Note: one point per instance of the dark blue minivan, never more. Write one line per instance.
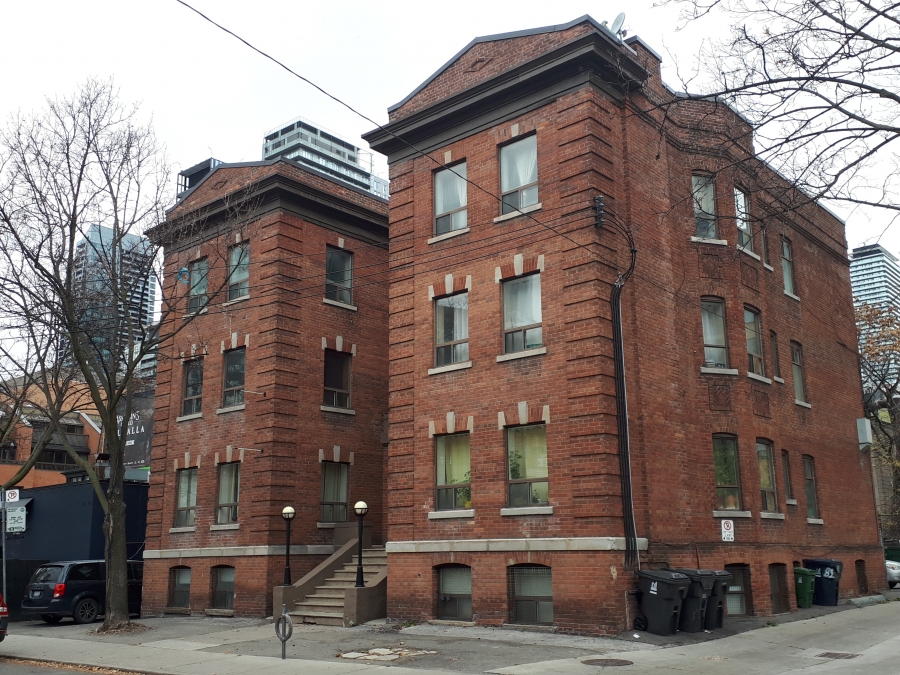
(76, 589)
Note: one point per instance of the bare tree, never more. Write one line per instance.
(817, 82)
(80, 183)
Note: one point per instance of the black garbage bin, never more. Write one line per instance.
(828, 579)
(715, 604)
(693, 609)
(662, 592)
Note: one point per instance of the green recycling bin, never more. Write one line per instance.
(804, 582)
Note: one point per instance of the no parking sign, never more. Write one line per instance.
(727, 530)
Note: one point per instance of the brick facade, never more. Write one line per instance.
(590, 103)
(280, 435)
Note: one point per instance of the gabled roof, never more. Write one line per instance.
(506, 36)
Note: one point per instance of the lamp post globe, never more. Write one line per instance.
(361, 509)
(288, 514)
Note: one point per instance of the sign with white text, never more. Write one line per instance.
(15, 519)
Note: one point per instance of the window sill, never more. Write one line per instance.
(182, 530)
(778, 380)
(450, 368)
(324, 526)
(754, 376)
(732, 514)
(704, 240)
(185, 418)
(519, 212)
(225, 526)
(521, 355)
(341, 411)
(527, 511)
(815, 521)
(218, 612)
(342, 305)
(191, 315)
(792, 296)
(790, 502)
(769, 267)
(448, 235)
(455, 513)
(233, 408)
(235, 301)
(802, 403)
(718, 371)
(750, 253)
(771, 516)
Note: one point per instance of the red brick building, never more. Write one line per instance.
(508, 495)
(274, 394)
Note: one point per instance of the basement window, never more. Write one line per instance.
(531, 594)
(455, 593)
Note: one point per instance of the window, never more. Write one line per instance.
(742, 217)
(728, 483)
(519, 174)
(451, 328)
(531, 594)
(787, 266)
(337, 379)
(87, 572)
(712, 312)
(450, 211)
(773, 348)
(222, 587)
(522, 314)
(704, 198)
(229, 488)
(239, 271)
(193, 387)
(778, 586)
(339, 275)
(453, 472)
(527, 454)
(786, 467)
(455, 593)
(179, 587)
(797, 367)
(186, 480)
(199, 271)
(754, 342)
(738, 601)
(235, 366)
(809, 483)
(334, 492)
(764, 457)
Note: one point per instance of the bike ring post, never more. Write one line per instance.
(284, 628)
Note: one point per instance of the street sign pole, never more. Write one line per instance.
(3, 511)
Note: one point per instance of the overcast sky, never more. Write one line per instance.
(210, 95)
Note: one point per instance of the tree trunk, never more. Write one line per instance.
(116, 550)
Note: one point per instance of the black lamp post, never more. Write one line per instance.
(361, 509)
(288, 514)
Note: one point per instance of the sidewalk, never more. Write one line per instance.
(207, 646)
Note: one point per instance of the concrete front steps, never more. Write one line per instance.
(325, 607)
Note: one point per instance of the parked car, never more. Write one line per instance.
(76, 589)
(4, 618)
(893, 573)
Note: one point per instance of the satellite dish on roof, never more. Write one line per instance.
(617, 24)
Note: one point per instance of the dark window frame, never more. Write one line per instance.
(768, 496)
(236, 392)
(709, 300)
(506, 206)
(741, 572)
(458, 490)
(809, 485)
(178, 595)
(191, 405)
(518, 481)
(198, 301)
(186, 514)
(447, 599)
(219, 598)
(345, 471)
(725, 487)
(756, 363)
(227, 512)
(507, 333)
(786, 469)
(514, 599)
(438, 217)
(335, 392)
(438, 346)
(239, 288)
(334, 289)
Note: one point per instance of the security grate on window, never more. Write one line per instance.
(530, 594)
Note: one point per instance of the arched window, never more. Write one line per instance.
(179, 586)
(455, 592)
(530, 594)
(222, 590)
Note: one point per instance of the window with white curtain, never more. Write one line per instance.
(451, 329)
(704, 198)
(239, 271)
(797, 368)
(712, 313)
(519, 174)
(742, 217)
(199, 273)
(453, 472)
(229, 489)
(450, 201)
(335, 477)
(528, 471)
(787, 266)
(522, 314)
